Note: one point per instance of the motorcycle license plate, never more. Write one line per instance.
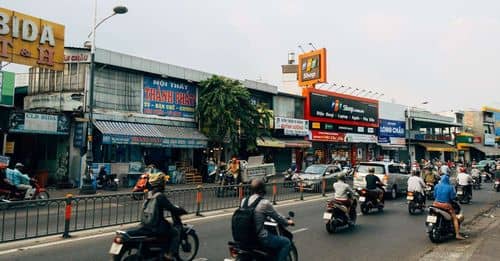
(409, 198)
(460, 192)
(431, 219)
(428, 188)
(362, 199)
(115, 248)
(327, 215)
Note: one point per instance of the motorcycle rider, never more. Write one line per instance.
(162, 228)
(476, 174)
(416, 185)
(263, 210)
(430, 177)
(444, 195)
(234, 169)
(374, 185)
(343, 193)
(465, 180)
(18, 179)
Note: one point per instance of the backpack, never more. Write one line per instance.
(150, 212)
(243, 222)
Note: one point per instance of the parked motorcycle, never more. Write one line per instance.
(8, 194)
(127, 246)
(369, 201)
(336, 215)
(496, 187)
(440, 223)
(463, 195)
(240, 252)
(415, 202)
(476, 182)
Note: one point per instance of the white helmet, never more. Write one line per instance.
(445, 170)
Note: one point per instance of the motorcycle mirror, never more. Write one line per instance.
(291, 214)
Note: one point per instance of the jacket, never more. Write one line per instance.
(444, 191)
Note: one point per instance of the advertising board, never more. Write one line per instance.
(390, 129)
(31, 41)
(292, 127)
(166, 97)
(312, 68)
(323, 106)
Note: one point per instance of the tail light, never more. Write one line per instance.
(386, 179)
(410, 193)
(118, 240)
(363, 191)
(233, 252)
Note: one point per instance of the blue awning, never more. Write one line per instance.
(152, 135)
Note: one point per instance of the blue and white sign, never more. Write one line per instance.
(391, 132)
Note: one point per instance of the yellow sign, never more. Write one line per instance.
(31, 41)
(9, 147)
(316, 125)
(312, 68)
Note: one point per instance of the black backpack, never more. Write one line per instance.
(243, 223)
(150, 212)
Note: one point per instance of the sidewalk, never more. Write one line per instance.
(482, 244)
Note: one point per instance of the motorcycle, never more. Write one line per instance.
(239, 252)
(13, 194)
(487, 177)
(415, 201)
(476, 182)
(463, 195)
(142, 184)
(429, 191)
(369, 201)
(336, 215)
(108, 182)
(496, 187)
(440, 223)
(127, 246)
(227, 184)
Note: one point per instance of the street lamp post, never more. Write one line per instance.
(87, 187)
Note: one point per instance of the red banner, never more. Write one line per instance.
(327, 136)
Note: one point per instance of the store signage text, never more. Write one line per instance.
(312, 67)
(436, 137)
(489, 139)
(327, 136)
(154, 141)
(292, 127)
(31, 41)
(389, 129)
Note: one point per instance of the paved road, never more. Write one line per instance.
(391, 235)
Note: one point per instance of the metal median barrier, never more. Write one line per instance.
(37, 218)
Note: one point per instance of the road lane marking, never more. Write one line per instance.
(300, 230)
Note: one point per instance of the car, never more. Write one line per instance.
(393, 175)
(480, 165)
(313, 175)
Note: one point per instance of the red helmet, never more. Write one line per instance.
(462, 169)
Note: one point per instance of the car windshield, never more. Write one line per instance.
(484, 162)
(315, 169)
(363, 168)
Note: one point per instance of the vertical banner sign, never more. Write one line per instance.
(31, 41)
(312, 68)
(165, 97)
(7, 88)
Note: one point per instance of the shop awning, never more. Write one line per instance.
(283, 143)
(487, 150)
(443, 147)
(115, 132)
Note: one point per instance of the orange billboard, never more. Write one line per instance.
(31, 41)
(312, 68)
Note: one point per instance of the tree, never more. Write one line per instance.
(226, 114)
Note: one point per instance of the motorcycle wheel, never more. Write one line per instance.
(435, 235)
(330, 227)
(188, 248)
(498, 189)
(411, 208)
(42, 195)
(127, 254)
(293, 255)
(365, 209)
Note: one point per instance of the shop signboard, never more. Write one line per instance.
(433, 137)
(153, 141)
(327, 136)
(9, 147)
(360, 138)
(390, 129)
(7, 81)
(477, 140)
(167, 97)
(31, 41)
(489, 139)
(312, 68)
(464, 139)
(39, 123)
(292, 127)
(340, 109)
(79, 135)
(496, 116)
(5, 160)
(342, 128)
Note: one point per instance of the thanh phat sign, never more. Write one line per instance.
(165, 97)
(31, 41)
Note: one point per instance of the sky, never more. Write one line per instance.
(445, 52)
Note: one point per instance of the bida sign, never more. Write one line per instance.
(312, 68)
(341, 109)
(31, 41)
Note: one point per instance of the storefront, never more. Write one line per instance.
(343, 127)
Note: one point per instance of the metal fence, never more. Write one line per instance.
(36, 218)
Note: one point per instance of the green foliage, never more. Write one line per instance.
(226, 114)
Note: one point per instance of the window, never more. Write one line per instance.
(118, 90)
(395, 169)
(363, 168)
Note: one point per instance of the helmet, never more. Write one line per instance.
(157, 179)
(19, 165)
(341, 176)
(445, 170)
(462, 169)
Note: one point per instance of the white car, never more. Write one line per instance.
(393, 175)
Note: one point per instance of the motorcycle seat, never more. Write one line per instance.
(442, 212)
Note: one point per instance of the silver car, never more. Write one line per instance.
(314, 174)
(393, 175)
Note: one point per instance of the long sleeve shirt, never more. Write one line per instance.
(263, 210)
(16, 177)
(416, 184)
